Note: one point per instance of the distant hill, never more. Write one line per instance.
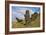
(35, 22)
(34, 16)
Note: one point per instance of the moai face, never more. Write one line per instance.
(27, 11)
(27, 15)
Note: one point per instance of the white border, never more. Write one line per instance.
(25, 29)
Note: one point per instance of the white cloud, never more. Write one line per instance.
(22, 12)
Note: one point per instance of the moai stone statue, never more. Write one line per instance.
(27, 17)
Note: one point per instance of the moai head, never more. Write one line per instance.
(27, 15)
(27, 11)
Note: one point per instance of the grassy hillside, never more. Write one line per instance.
(34, 22)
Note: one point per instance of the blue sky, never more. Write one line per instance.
(34, 9)
(16, 9)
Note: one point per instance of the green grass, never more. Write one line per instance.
(35, 23)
